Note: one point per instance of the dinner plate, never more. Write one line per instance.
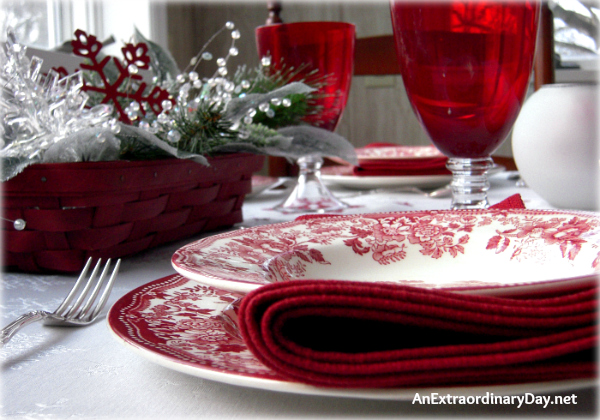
(483, 251)
(343, 175)
(189, 327)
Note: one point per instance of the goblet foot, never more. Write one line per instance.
(469, 182)
(310, 195)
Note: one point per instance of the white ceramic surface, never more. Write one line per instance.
(484, 251)
(343, 176)
(555, 145)
(369, 182)
(190, 328)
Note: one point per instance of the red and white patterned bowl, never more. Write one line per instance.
(483, 251)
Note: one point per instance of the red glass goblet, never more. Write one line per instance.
(320, 54)
(466, 67)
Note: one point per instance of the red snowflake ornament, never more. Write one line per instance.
(129, 85)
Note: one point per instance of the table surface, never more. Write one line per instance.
(60, 373)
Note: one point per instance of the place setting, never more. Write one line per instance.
(328, 303)
(190, 322)
(386, 165)
(378, 272)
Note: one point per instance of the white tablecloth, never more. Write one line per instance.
(65, 373)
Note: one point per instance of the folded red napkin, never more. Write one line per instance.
(432, 165)
(429, 166)
(356, 334)
(404, 169)
(513, 202)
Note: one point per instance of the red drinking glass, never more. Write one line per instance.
(466, 67)
(320, 54)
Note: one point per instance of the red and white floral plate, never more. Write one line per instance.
(399, 152)
(482, 251)
(343, 174)
(191, 328)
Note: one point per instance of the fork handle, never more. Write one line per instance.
(7, 332)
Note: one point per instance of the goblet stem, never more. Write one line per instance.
(310, 194)
(469, 182)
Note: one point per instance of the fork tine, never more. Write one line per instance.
(107, 290)
(57, 317)
(88, 285)
(86, 308)
(65, 303)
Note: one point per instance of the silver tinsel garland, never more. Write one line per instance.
(39, 111)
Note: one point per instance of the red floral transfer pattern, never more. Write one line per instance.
(398, 152)
(436, 234)
(569, 234)
(186, 323)
(283, 251)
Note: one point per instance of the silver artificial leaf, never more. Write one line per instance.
(14, 165)
(312, 141)
(161, 61)
(138, 134)
(89, 145)
(276, 147)
(237, 108)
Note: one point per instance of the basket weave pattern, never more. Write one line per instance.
(113, 209)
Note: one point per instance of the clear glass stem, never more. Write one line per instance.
(469, 182)
(310, 194)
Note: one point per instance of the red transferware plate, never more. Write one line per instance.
(191, 328)
(482, 251)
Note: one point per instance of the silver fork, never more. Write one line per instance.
(72, 311)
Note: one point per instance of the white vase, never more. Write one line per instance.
(555, 145)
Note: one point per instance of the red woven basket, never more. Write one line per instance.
(112, 209)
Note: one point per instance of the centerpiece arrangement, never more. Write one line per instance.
(129, 153)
